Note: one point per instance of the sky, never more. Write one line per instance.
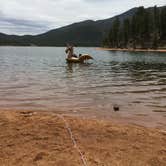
(38, 16)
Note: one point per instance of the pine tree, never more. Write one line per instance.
(145, 29)
(156, 27)
(105, 42)
(126, 32)
(115, 32)
(111, 38)
(163, 24)
(134, 31)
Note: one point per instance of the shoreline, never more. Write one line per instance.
(131, 50)
(42, 138)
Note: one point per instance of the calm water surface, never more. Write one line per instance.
(40, 79)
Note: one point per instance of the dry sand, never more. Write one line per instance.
(30, 138)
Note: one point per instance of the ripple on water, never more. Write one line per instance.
(40, 78)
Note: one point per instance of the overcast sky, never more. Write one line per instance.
(37, 16)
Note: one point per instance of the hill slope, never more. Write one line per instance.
(86, 33)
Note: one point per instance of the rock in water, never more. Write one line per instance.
(116, 108)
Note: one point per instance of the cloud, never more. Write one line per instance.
(36, 16)
(12, 25)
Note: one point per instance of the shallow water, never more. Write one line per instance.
(39, 78)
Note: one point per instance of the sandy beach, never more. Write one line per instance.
(47, 138)
(132, 50)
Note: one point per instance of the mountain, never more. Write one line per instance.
(85, 33)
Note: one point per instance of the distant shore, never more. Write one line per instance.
(43, 138)
(131, 50)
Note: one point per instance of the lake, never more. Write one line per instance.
(38, 78)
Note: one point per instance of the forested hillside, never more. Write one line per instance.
(145, 29)
(136, 28)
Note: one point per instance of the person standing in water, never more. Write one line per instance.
(70, 51)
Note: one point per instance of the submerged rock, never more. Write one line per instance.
(116, 108)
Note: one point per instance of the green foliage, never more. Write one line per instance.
(145, 29)
(114, 32)
(126, 31)
(163, 24)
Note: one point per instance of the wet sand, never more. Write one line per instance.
(42, 138)
(132, 50)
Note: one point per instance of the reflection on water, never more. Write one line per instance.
(39, 78)
(69, 68)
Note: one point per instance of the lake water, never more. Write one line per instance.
(38, 78)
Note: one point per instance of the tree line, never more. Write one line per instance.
(145, 29)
